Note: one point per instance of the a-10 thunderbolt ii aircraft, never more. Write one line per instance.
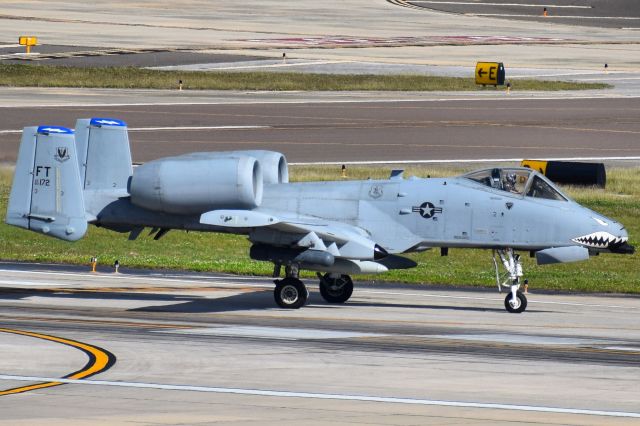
(65, 180)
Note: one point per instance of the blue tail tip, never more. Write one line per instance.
(54, 130)
(99, 122)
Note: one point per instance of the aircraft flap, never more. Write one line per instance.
(238, 218)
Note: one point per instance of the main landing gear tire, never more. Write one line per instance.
(290, 293)
(336, 290)
(519, 306)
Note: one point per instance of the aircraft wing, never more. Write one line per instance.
(340, 239)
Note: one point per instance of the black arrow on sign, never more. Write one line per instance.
(481, 72)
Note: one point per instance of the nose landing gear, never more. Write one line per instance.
(516, 301)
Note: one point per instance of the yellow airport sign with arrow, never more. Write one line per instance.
(490, 73)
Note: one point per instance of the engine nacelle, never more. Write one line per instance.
(273, 164)
(192, 184)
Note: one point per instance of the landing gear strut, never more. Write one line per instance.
(516, 301)
(290, 292)
(335, 288)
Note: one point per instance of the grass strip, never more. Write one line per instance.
(20, 75)
(199, 251)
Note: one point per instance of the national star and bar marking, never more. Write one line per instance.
(426, 210)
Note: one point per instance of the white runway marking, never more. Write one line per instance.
(473, 96)
(242, 67)
(502, 4)
(160, 129)
(279, 333)
(492, 299)
(610, 78)
(603, 75)
(327, 396)
(119, 278)
(31, 283)
(461, 160)
(518, 339)
(622, 348)
(154, 129)
(506, 15)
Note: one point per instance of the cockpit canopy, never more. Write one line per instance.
(520, 181)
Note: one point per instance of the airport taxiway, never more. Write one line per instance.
(340, 130)
(201, 348)
(345, 128)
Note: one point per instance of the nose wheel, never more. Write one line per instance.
(516, 301)
(516, 304)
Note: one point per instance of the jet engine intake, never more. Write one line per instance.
(273, 164)
(196, 184)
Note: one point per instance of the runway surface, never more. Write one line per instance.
(198, 348)
(332, 30)
(338, 131)
(592, 13)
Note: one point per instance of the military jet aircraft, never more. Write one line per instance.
(65, 179)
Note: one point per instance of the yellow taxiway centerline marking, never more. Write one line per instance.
(99, 360)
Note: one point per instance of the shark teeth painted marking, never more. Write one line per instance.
(600, 240)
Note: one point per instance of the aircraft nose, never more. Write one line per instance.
(611, 236)
(621, 245)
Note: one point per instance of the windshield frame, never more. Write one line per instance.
(519, 171)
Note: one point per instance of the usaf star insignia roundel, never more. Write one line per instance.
(427, 210)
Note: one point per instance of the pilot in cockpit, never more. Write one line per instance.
(509, 183)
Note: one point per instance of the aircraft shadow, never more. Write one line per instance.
(430, 307)
(179, 303)
(257, 300)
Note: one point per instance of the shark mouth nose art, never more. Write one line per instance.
(601, 240)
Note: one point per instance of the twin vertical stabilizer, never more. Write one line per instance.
(46, 196)
(63, 178)
(104, 156)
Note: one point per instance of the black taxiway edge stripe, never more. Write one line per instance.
(100, 360)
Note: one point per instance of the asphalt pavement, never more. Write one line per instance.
(200, 348)
(342, 131)
(623, 14)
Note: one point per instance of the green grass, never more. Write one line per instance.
(136, 78)
(229, 253)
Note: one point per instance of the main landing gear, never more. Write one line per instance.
(515, 301)
(335, 288)
(291, 293)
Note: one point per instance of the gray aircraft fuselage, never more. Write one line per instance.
(405, 215)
